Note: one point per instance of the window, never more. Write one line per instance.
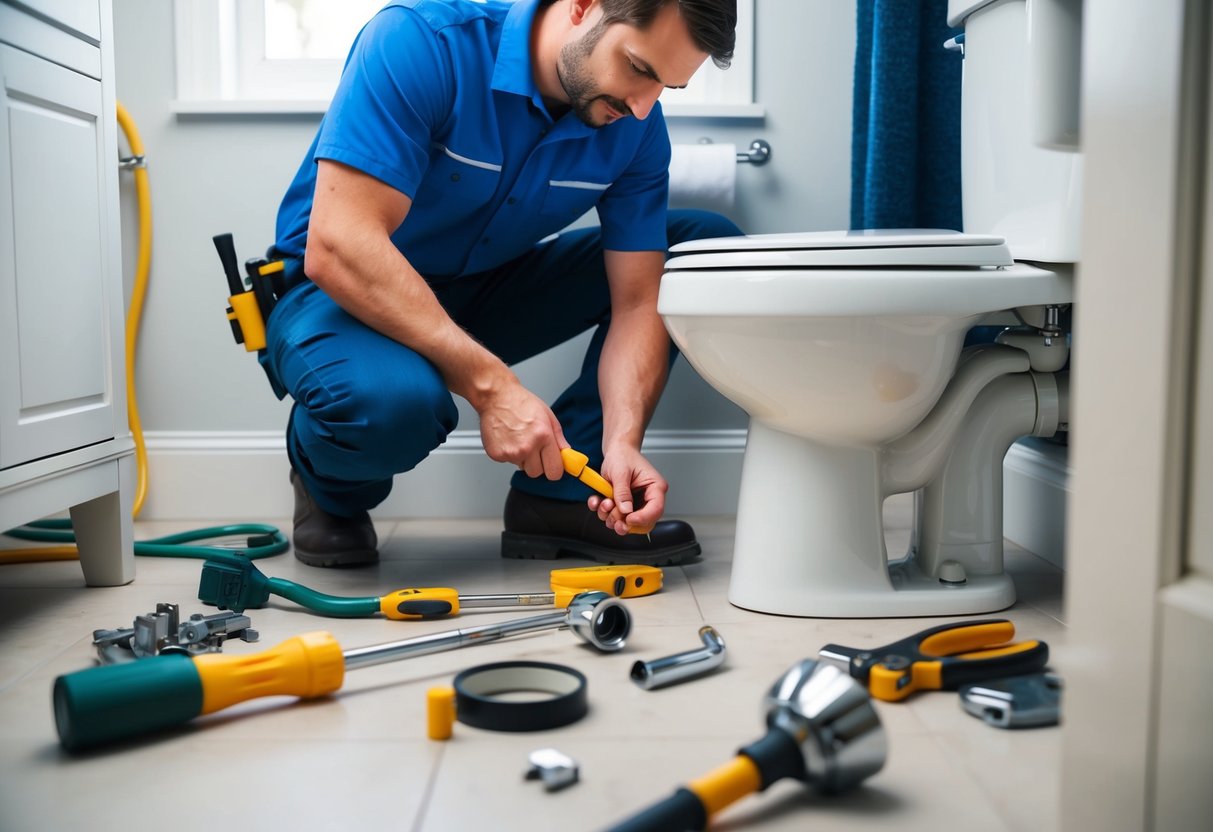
(286, 56)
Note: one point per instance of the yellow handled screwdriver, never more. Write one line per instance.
(577, 465)
(114, 702)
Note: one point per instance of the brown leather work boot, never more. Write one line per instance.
(544, 529)
(323, 539)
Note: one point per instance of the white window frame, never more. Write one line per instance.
(222, 69)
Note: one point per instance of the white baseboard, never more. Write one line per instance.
(217, 475)
(221, 475)
(1036, 478)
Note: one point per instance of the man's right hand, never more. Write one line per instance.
(517, 426)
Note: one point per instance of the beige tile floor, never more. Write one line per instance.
(361, 759)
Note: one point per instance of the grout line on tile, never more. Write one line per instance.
(45, 661)
(428, 794)
(389, 534)
(992, 798)
(694, 597)
(1043, 612)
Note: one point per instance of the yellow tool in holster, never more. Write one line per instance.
(249, 309)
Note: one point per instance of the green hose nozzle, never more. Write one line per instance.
(234, 583)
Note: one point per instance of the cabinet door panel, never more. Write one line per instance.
(55, 386)
(83, 17)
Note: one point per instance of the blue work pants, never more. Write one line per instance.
(367, 407)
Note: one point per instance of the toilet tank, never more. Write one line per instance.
(1011, 186)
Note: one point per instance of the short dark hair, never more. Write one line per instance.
(712, 23)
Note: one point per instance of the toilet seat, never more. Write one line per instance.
(895, 257)
(866, 247)
(859, 273)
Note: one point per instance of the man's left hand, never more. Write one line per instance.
(639, 492)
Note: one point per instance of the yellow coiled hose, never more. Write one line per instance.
(143, 195)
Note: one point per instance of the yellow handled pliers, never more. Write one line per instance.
(941, 658)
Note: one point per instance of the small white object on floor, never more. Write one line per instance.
(553, 768)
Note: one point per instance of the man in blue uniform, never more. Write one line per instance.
(419, 247)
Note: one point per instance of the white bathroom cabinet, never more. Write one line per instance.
(64, 438)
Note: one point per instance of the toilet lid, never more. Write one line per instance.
(868, 247)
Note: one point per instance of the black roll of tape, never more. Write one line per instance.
(481, 696)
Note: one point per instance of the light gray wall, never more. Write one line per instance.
(227, 173)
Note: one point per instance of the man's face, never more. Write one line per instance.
(614, 71)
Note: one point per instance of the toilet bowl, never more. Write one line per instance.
(845, 349)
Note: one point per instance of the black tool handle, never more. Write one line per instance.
(773, 757)
(1013, 660)
(261, 286)
(227, 255)
(777, 755)
(679, 812)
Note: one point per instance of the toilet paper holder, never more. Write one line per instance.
(759, 152)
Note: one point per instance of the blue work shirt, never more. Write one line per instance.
(437, 100)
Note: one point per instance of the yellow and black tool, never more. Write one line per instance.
(249, 309)
(232, 582)
(941, 658)
(821, 730)
(577, 464)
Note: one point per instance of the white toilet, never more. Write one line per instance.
(845, 350)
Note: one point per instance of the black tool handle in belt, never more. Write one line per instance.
(227, 255)
(261, 287)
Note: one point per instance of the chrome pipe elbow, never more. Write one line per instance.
(682, 666)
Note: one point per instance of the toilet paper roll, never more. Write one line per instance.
(703, 176)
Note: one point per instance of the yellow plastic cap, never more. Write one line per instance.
(440, 712)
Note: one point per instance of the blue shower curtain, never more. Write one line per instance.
(905, 148)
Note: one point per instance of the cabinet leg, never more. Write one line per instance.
(105, 533)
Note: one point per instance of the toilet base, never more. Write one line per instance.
(810, 540)
(912, 594)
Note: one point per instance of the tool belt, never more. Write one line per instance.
(249, 308)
